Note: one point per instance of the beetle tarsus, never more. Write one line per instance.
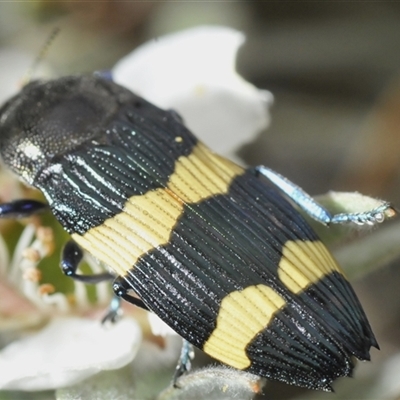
(184, 362)
(114, 312)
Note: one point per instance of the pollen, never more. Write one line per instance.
(46, 288)
(31, 254)
(32, 275)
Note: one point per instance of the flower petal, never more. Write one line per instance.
(159, 327)
(67, 351)
(16, 312)
(193, 72)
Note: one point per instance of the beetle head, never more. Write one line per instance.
(48, 119)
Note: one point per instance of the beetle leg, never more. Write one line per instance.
(316, 210)
(121, 288)
(184, 363)
(22, 208)
(71, 257)
(114, 311)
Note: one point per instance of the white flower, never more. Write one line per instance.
(67, 351)
(69, 348)
(193, 72)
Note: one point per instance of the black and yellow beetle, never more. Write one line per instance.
(215, 250)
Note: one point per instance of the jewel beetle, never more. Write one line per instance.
(217, 251)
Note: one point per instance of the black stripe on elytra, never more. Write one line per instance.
(331, 329)
(291, 349)
(229, 242)
(136, 153)
(340, 311)
(335, 305)
(222, 244)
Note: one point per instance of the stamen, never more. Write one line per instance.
(80, 295)
(32, 274)
(24, 241)
(56, 300)
(103, 291)
(4, 257)
(31, 254)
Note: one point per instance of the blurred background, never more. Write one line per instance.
(333, 68)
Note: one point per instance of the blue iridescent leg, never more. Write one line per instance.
(22, 208)
(317, 211)
(184, 362)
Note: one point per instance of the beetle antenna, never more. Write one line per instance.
(41, 56)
